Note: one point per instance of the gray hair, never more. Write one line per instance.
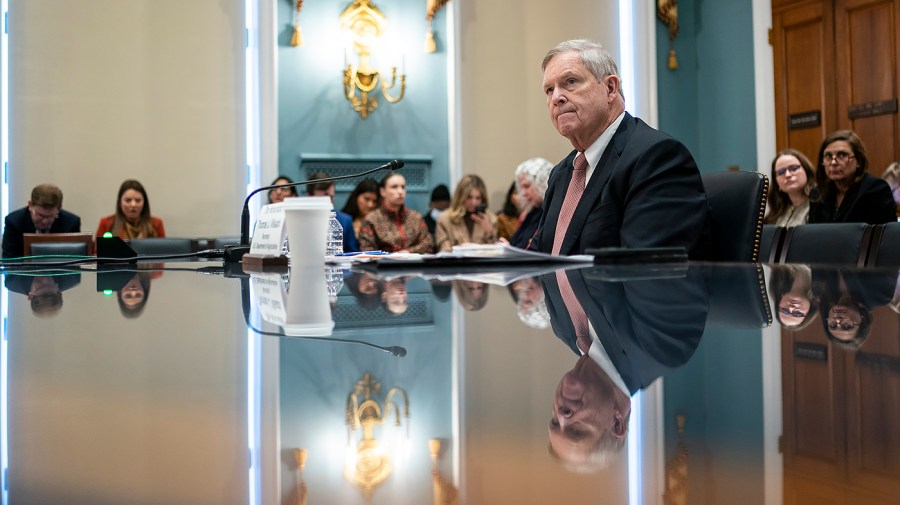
(594, 56)
(537, 170)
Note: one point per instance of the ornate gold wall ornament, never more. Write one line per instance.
(667, 11)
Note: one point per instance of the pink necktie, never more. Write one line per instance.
(576, 312)
(573, 195)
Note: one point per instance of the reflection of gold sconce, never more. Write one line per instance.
(676, 470)
(300, 457)
(667, 11)
(366, 23)
(371, 464)
(444, 490)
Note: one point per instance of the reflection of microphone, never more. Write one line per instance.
(395, 350)
(235, 253)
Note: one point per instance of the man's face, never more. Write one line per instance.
(325, 192)
(43, 217)
(580, 107)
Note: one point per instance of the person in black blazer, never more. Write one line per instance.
(643, 187)
(642, 329)
(43, 214)
(845, 192)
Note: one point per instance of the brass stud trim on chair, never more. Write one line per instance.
(760, 218)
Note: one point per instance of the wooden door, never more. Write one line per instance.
(802, 38)
(867, 49)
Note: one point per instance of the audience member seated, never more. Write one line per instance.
(327, 189)
(362, 200)
(43, 291)
(531, 181)
(440, 201)
(845, 192)
(132, 218)
(508, 218)
(789, 201)
(392, 226)
(279, 194)
(791, 288)
(468, 220)
(892, 177)
(43, 214)
(472, 295)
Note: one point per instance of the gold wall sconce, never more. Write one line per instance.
(370, 463)
(365, 25)
(667, 11)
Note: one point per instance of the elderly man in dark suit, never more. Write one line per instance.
(625, 184)
(43, 214)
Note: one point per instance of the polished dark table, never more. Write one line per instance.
(147, 385)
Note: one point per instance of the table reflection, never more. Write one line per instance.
(681, 391)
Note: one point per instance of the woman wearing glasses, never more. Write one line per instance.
(794, 177)
(845, 192)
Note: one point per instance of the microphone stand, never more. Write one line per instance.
(235, 253)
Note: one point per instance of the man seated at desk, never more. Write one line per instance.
(625, 184)
(44, 214)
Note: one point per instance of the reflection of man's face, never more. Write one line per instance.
(395, 297)
(843, 322)
(132, 294)
(584, 409)
(45, 296)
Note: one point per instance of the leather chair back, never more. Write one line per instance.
(161, 246)
(827, 244)
(771, 242)
(885, 248)
(737, 205)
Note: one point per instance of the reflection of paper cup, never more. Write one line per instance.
(308, 311)
(306, 221)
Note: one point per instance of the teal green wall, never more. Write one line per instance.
(708, 102)
(314, 117)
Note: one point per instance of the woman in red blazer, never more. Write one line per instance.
(132, 218)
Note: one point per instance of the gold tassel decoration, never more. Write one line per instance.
(430, 45)
(297, 38)
(667, 12)
(673, 59)
(431, 8)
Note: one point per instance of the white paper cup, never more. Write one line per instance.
(306, 222)
(308, 310)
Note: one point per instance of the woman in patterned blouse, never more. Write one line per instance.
(392, 226)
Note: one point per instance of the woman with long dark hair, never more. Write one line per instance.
(132, 218)
(362, 200)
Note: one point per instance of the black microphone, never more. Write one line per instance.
(235, 253)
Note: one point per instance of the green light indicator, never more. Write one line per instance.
(108, 292)
(108, 234)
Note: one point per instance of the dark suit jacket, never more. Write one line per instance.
(868, 201)
(647, 327)
(350, 242)
(645, 192)
(19, 222)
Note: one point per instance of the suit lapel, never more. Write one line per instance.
(591, 196)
